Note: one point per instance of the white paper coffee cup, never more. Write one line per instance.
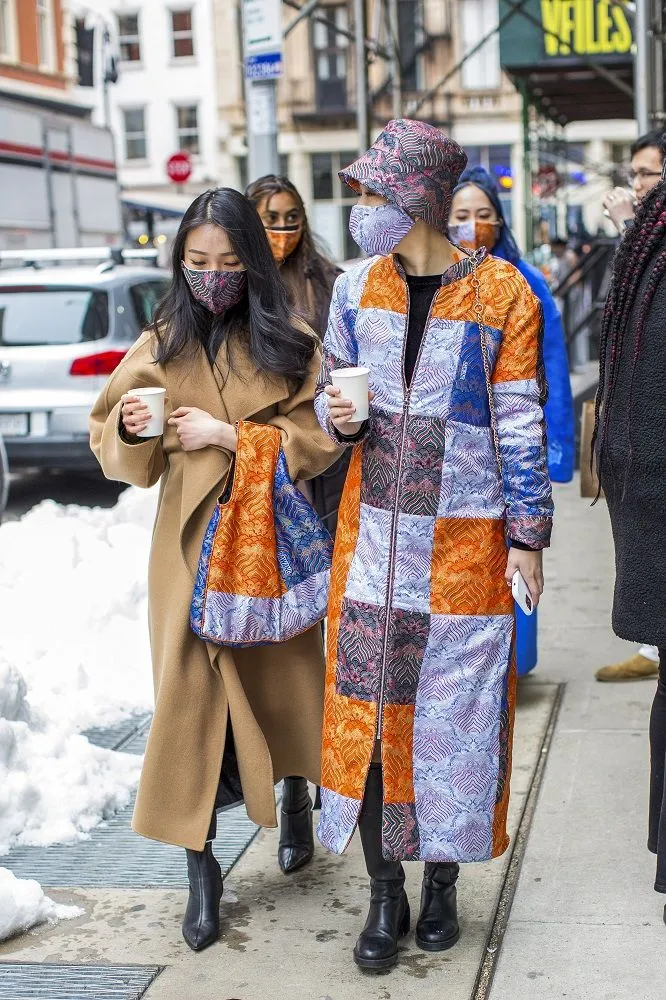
(353, 384)
(153, 397)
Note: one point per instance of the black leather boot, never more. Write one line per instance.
(201, 924)
(388, 917)
(437, 927)
(296, 848)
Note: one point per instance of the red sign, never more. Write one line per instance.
(179, 167)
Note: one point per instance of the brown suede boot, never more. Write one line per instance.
(636, 668)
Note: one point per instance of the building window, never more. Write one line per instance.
(410, 39)
(333, 203)
(45, 33)
(129, 41)
(182, 33)
(330, 57)
(482, 70)
(187, 128)
(7, 30)
(135, 133)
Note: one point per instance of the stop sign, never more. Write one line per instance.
(179, 167)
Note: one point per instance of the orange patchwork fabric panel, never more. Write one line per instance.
(250, 534)
(385, 289)
(468, 561)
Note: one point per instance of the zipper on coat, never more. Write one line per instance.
(407, 392)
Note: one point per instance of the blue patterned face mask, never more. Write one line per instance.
(379, 229)
(216, 290)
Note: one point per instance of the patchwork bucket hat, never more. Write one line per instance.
(414, 166)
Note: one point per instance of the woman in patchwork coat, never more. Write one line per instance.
(420, 685)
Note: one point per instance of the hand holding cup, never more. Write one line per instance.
(135, 415)
(348, 399)
(143, 412)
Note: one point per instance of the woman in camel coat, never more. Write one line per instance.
(227, 289)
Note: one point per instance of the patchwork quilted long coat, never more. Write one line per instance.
(421, 621)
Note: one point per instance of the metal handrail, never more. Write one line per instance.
(589, 261)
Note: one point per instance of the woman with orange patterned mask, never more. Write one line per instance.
(473, 220)
(307, 273)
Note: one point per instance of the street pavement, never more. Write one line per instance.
(569, 911)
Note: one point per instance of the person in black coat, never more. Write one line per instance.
(630, 447)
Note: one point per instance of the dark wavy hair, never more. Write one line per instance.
(643, 248)
(306, 264)
(262, 320)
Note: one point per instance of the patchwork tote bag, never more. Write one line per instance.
(265, 565)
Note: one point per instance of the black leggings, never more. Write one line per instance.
(657, 820)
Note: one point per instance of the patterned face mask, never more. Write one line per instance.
(216, 290)
(284, 241)
(379, 230)
(474, 234)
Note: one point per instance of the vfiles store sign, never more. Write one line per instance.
(564, 30)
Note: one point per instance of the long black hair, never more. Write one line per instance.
(262, 319)
(307, 264)
(643, 247)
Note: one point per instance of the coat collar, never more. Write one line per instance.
(459, 269)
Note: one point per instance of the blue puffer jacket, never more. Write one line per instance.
(559, 409)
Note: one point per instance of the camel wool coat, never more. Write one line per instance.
(273, 695)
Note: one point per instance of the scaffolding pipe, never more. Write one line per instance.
(642, 66)
(527, 169)
(362, 105)
(394, 62)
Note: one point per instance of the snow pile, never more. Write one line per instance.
(73, 654)
(74, 608)
(23, 905)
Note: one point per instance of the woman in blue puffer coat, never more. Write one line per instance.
(477, 219)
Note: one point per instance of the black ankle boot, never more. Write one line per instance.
(388, 917)
(201, 924)
(437, 927)
(296, 848)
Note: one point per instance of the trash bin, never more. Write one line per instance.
(526, 642)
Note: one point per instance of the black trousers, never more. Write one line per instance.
(657, 819)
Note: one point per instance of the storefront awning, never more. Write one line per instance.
(167, 204)
(574, 60)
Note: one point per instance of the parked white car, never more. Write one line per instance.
(63, 330)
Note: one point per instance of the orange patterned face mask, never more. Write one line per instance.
(284, 241)
(472, 235)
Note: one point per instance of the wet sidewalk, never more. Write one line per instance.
(568, 912)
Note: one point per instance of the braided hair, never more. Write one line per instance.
(643, 247)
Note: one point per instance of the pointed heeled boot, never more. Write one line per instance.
(296, 847)
(388, 917)
(437, 928)
(201, 923)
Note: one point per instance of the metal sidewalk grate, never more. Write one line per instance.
(115, 856)
(24, 981)
(124, 736)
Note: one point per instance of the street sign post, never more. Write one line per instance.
(179, 168)
(262, 59)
